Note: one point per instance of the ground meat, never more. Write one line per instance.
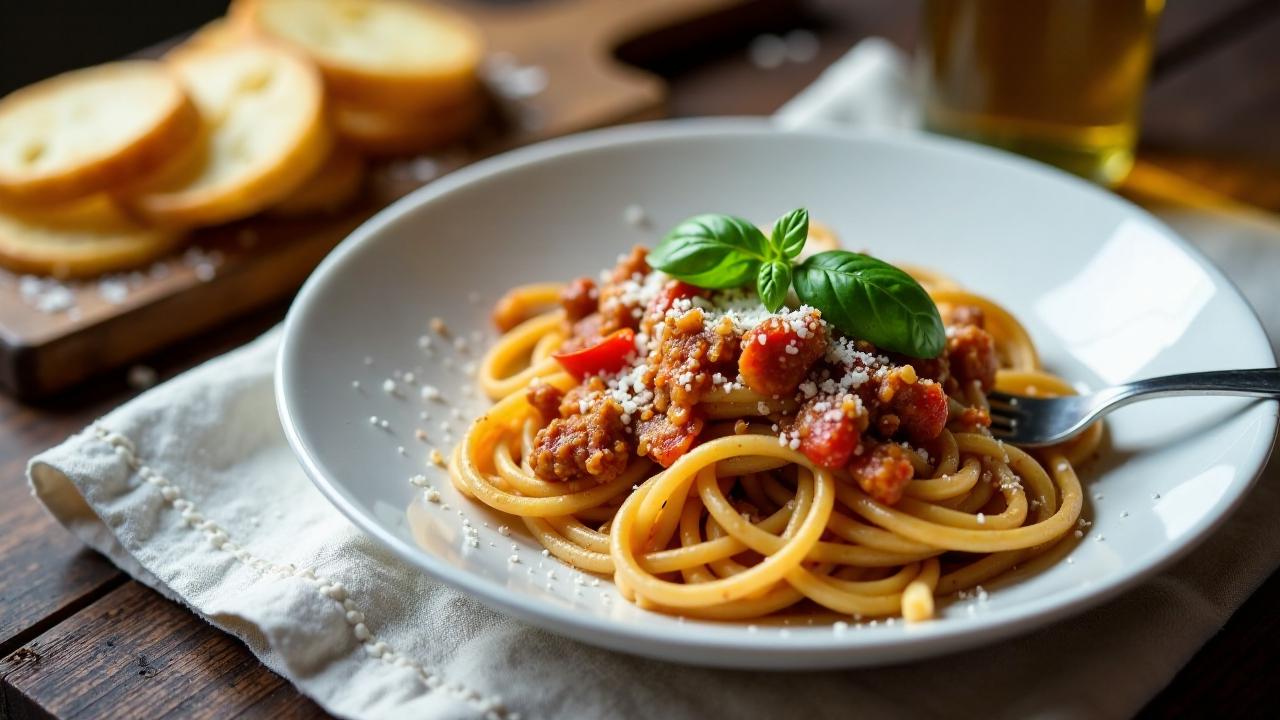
(572, 403)
(686, 359)
(971, 354)
(664, 300)
(582, 334)
(935, 369)
(545, 398)
(664, 441)
(973, 418)
(882, 470)
(775, 358)
(828, 430)
(632, 264)
(957, 315)
(579, 298)
(888, 424)
(591, 444)
(922, 408)
(616, 312)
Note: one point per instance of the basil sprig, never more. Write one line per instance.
(873, 300)
(864, 297)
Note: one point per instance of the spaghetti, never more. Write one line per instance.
(728, 463)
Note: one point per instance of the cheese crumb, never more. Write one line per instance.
(437, 458)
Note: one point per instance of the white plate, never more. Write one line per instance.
(1107, 292)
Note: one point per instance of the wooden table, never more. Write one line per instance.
(104, 644)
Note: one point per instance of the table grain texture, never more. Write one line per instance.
(80, 639)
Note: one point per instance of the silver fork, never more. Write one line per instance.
(1034, 421)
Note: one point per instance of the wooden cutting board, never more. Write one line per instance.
(52, 336)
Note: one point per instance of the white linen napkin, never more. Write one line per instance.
(192, 490)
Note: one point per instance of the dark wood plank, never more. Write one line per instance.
(45, 573)
(133, 654)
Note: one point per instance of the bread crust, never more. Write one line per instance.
(56, 125)
(361, 73)
(331, 188)
(264, 111)
(378, 132)
(82, 239)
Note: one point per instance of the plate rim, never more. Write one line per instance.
(757, 650)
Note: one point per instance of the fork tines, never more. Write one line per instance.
(1005, 413)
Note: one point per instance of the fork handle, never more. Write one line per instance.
(1264, 383)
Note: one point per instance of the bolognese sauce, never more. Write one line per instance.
(840, 401)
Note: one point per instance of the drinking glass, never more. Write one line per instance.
(1057, 80)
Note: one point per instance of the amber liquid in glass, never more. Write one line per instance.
(1057, 80)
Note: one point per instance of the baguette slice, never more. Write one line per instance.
(378, 132)
(332, 188)
(84, 131)
(219, 33)
(85, 238)
(377, 53)
(263, 110)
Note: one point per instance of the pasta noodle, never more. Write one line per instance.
(744, 525)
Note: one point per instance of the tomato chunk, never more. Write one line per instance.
(666, 298)
(775, 358)
(827, 434)
(882, 470)
(922, 407)
(663, 441)
(971, 352)
(608, 355)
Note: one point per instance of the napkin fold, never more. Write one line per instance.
(192, 490)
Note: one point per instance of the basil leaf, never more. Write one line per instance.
(772, 283)
(872, 300)
(712, 251)
(790, 232)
